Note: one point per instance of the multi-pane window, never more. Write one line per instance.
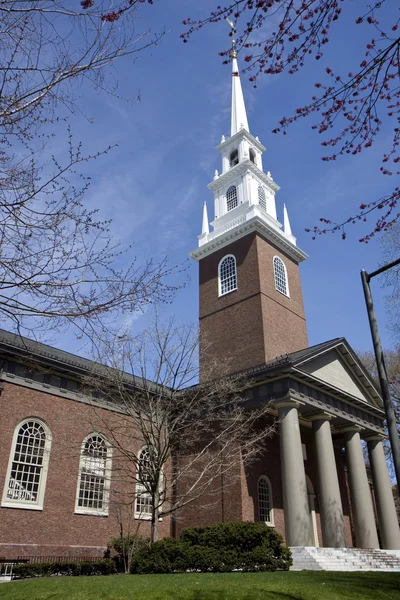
(262, 200)
(234, 158)
(281, 283)
(227, 275)
(231, 198)
(264, 492)
(144, 504)
(94, 476)
(26, 478)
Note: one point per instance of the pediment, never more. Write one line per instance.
(332, 368)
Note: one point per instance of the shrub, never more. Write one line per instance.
(165, 556)
(219, 548)
(100, 567)
(126, 547)
(240, 537)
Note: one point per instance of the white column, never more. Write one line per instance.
(295, 499)
(361, 500)
(331, 510)
(387, 517)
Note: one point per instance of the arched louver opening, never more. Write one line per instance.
(252, 155)
(227, 276)
(231, 198)
(265, 506)
(262, 199)
(281, 282)
(234, 158)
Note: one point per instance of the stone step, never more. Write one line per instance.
(344, 559)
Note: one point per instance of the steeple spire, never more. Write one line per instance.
(238, 114)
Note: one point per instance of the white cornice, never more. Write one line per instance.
(255, 224)
(240, 134)
(240, 169)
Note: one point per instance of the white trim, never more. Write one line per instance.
(86, 510)
(220, 293)
(140, 490)
(250, 223)
(242, 133)
(243, 167)
(287, 294)
(18, 503)
(233, 197)
(271, 521)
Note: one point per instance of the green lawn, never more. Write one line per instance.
(315, 585)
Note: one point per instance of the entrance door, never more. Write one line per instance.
(311, 506)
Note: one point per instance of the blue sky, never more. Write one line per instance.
(153, 184)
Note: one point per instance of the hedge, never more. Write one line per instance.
(100, 567)
(220, 548)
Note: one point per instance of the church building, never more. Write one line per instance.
(311, 485)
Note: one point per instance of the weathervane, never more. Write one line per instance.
(234, 53)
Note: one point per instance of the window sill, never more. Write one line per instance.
(91, 513)
(8, 504)
(226, 293)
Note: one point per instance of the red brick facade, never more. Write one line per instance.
(254, 323)
(56, 530)
(235, 497)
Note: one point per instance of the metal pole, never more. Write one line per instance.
(380, 363)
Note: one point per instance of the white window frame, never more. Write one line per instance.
(232, 187)
(220, 292)
(27, 504)
(88, 510)
(286, 293)
(265, 480)
(141, 491)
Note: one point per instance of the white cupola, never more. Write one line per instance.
(244, 196)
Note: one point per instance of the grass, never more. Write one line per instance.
(315, 585)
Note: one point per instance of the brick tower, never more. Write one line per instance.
(251, 306)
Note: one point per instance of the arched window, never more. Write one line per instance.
(231, 198)
(94, 476)
(281, 282)
(227, 277)
(262, 200)
(252, 155)
(144, 505)
(265, 505)
(27, 468)
(234, 158)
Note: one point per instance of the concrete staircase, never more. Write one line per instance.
(308, 558)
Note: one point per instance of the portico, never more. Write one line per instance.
(306, 401)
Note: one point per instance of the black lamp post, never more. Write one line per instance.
(380, 362)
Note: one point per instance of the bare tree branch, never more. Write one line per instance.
(192, 433)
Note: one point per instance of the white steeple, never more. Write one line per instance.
(238, 114)
(244, 196)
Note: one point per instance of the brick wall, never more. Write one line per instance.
(255, 323)
(57, 529)
(238, 498)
